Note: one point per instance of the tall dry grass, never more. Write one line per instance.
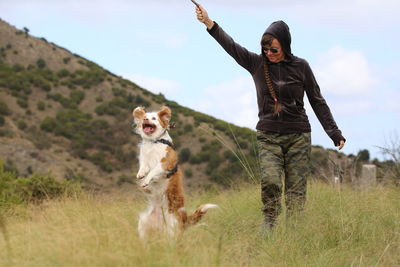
(337, 228)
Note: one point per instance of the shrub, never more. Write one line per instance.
(22, 102)
(213, 163)
(35, 188)
(200, 157)
(22, 125)
(184, 155)
(2, 121)
(214, 146)
(140, 101)
(187, 128)
(77, 96)
(48, 124)
(38, 138)
(119, 92)
(99, 159)
(188, 173)
(41, 105)
(40, 63)
(63, 73)
(4, 110)
(17, 68)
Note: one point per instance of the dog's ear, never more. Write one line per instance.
(139, 114)
(165, 116)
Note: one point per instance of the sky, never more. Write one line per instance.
(351, 46)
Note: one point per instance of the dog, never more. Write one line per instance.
(160, 177)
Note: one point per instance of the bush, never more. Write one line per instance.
(35, 188)
(140, 101)
(2, 121)
(41, 105)
(48, 124)
(22, 102)
(4, 110)
(188, 173)
(17, 68)
(115, 107)
(40, 63)
(99, 159)
(187, 128)
(200, 157)
(63, 73)
(214, 147)
(75, 98)
(184, 155)
(22, 125)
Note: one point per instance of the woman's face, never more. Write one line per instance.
(274, 52)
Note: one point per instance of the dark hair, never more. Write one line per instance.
(267, 39)
(277, 105)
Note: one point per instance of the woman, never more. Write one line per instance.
(283, 129)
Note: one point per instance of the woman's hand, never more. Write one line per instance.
(203, 17)
(341, 144)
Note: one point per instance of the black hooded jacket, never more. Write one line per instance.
(291, 78)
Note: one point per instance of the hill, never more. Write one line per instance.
(65, 115)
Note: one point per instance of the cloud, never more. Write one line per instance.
(343, 72)
(233, 101)
(155, 84)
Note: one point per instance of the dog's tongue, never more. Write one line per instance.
(148, 129)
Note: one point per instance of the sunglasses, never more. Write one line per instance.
(272, 49)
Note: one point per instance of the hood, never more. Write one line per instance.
(280, 30)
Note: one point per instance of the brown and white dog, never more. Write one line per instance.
(160, 177)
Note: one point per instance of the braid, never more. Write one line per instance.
(277, 105)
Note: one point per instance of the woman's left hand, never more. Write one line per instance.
(341, 144)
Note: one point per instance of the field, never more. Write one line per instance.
(347, 227)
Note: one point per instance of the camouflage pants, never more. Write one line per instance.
(284, 160)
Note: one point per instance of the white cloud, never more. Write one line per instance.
(155, 84)
(233, 101)
(343, 72)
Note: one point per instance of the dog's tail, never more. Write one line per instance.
(199, 213)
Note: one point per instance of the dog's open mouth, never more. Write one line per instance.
(149, 128)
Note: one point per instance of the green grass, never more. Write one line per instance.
(337, 228)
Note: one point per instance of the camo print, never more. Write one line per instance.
(284, 161)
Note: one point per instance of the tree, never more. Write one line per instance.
(363, 155)
(26, 30)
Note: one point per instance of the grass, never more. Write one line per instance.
(337, 228)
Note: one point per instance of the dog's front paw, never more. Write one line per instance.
(144, 184)
(141, 174)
